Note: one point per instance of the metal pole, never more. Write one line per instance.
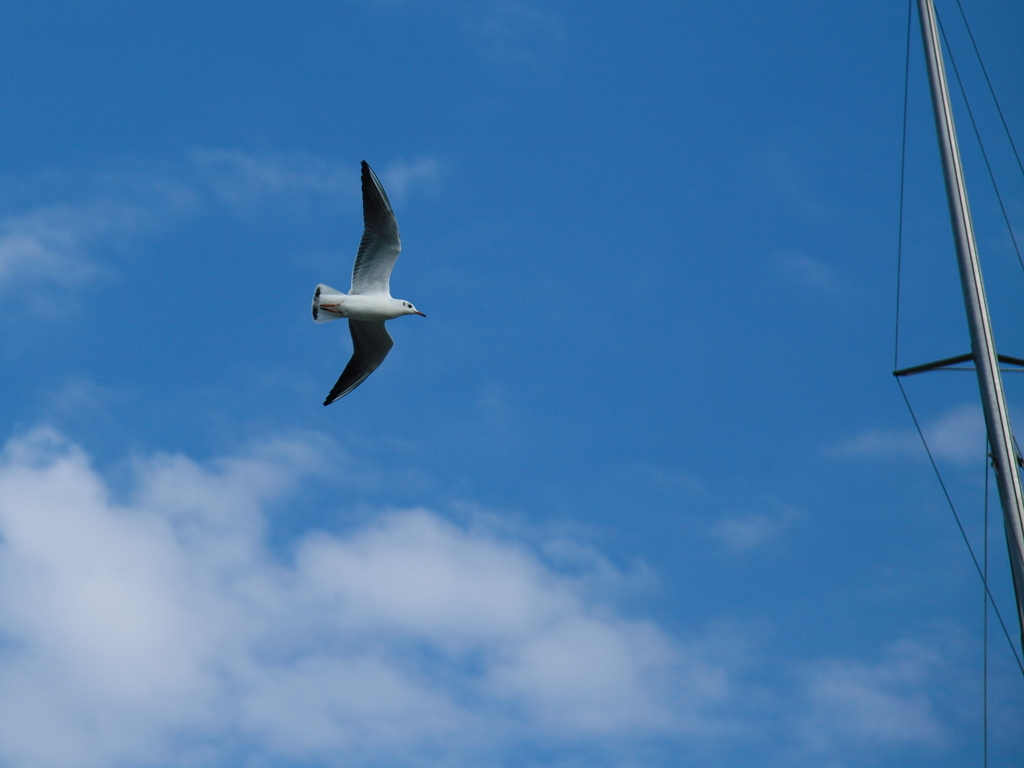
(983, 347)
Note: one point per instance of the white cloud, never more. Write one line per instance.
(792, 184)
(744, 533)
(245, 180)
(400, 176)
(70, 241)
(669, 479)
(958, 436)
(879, 442)
(51, 242)
(161, 629)
(63, 243)
(156, 626)
(854, 705)
(515, 34)
(807, 271)
(242, 180)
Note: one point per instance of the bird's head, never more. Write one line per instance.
(409, 309)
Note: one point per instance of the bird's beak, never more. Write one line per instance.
(419, 313)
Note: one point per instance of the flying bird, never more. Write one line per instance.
(368, 304)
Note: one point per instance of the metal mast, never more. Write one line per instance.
(983, 347)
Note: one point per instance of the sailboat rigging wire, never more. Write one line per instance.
(959, 525)
(981, 145)
(903, 175)
(984, 621)
(991, 90)
(913, 416)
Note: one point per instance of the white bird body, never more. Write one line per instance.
(330, 304)
(368, 303)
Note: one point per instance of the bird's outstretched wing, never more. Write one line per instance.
(380, 245)
(370, 345)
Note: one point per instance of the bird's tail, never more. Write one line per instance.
(327, 304)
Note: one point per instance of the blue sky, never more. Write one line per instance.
(640, 490)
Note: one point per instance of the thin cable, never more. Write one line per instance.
(954, 368)
(981, 145)
(959, 525)
(903, 175)
(984, 622)
(991, 90)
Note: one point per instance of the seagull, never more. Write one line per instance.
(368, 303)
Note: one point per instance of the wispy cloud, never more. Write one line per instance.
(807, 271)
(878, 442)
(79, 226)
(247, 180)
(745, 533)
(399, 176)
(52, 242)
(670, 479)
(70, 241)
(790, 182)
(958, 436)
(853, 705)
(516, 34)
(243, 179)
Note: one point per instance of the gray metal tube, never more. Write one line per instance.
(990, 381)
